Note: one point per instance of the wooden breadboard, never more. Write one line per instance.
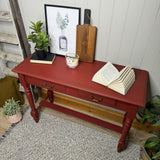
(85, 42)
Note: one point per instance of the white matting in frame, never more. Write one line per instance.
(61, 25)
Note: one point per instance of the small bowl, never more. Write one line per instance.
(72, 60)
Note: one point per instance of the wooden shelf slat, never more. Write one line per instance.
(8, 71)
(8, 38)
(5, 16)
(11, 57)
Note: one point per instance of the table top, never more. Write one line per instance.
(81, 78)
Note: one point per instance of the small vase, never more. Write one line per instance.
(15, 118)
(63, 44)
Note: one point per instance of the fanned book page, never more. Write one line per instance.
(106, 74)
(110, 77)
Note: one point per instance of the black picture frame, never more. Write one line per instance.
(61, 22)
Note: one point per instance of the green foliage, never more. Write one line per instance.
(152, 113)
(62, 23)
(39, 37)
(154, 144)
(11, 107)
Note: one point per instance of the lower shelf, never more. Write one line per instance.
(95, 110)
(81, 116)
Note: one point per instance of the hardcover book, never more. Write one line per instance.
(110, 77)
(47, 60)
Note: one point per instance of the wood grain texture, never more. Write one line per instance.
(4, 124)
(94, 110)
(21, 34)
(85, 42)
(5, 16)
(8, 38)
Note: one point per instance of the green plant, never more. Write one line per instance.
(152, 113)
(38, 36)
(11, 107)
(62, 22)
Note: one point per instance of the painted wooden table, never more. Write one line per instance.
(77, 82)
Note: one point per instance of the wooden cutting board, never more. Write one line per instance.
(85, 42)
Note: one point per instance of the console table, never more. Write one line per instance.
(77, 82)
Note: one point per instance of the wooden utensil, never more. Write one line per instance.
(86, 39)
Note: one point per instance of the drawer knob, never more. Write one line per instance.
(49, 87)
(96, 100)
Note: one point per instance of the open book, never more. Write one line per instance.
(110, 77)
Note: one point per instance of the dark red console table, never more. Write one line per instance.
(77, 82)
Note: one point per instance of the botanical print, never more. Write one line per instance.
(61, 25)
(62, 22)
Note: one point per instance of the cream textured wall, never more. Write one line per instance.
(128, 30)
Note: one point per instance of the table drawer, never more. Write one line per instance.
(45, 84)
(96, 98)
(72, 92)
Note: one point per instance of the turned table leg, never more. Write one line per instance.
(34, 111)
(127, 122)
(125, 131)
(50, 95)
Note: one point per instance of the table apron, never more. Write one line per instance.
(90, 97)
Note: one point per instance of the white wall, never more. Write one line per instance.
(128, 30)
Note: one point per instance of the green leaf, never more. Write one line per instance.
(151, 139)
(151, 144)
(157, 124)
(154, 105)
(39, 37)
(147, 116)
(155, 102)
(62, 22)
(157, 155)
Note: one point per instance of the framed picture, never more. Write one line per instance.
(61, 26)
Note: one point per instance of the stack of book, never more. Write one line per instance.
(110, 77)
(47, 60)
